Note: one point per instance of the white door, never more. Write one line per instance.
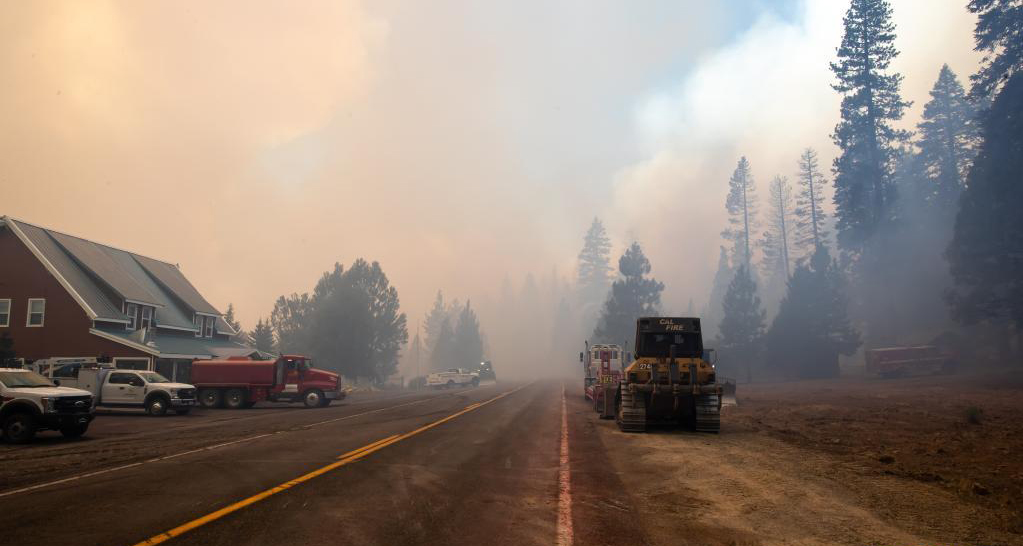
(123, 388)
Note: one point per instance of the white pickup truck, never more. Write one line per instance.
(136, 388)
(453, 377)
(29, 402)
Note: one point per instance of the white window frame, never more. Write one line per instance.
(7, 323)
(199, 322)
(146, 322)
(208, 330)
(131, 310)
(42, 319)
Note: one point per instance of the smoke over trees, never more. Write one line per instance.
(351, 323)
(814, 318)
(632, 296)
(453, 336)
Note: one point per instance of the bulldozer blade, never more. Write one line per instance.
(728, 392)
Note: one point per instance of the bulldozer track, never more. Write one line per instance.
(708, 413)
(631, 416)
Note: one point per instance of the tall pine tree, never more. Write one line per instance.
(999, 34)
(948, 139)
(468, 343)
(442, 355)
(632, 296)
(595, 273)
(986, 253)
(742, 328)
(870, 104)
(810, 231)
(777, 238)
(262, 337)
(741, 205)
(432, 324)
(714, 311)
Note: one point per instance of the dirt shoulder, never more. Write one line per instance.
(835, 462)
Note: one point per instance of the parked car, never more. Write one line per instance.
(29, 403)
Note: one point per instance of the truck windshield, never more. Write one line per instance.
(25, 379)
(153, 377)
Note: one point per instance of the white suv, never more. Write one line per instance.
(30, 402)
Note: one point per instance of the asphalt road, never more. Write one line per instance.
(450, 472)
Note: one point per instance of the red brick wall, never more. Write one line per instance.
(65, 332)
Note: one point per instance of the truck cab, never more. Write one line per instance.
(29, 402)
(137, 389)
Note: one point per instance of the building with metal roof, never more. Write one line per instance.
(62, 296)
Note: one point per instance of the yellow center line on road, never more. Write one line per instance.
(344, 459)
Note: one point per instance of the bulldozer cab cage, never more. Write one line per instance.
(656, 336)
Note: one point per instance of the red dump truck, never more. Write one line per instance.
(240, 382)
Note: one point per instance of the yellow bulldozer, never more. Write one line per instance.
(670, 380)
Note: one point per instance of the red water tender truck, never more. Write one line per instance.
(240, 382)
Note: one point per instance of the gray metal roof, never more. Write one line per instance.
(94, 271)
(97, 260)
(171, 314)
(85, 286)
(171, 278)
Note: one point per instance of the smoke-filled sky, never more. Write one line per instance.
(458, 143)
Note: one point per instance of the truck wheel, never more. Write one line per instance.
(234, 399)
(451, 383)
(475, 382)
(313, 398)
(74, 431)
(210, 398)
(20, 428)
(157, 406)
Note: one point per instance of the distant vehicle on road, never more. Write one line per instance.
(240, 382)
(29, 402)
(453, 377)
(486, 371)
(114, 388)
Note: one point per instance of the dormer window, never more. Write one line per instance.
(131, 310)
(197, 321)
(147, 317)
(210, 321)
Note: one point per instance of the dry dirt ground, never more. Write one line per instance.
(914, 461)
